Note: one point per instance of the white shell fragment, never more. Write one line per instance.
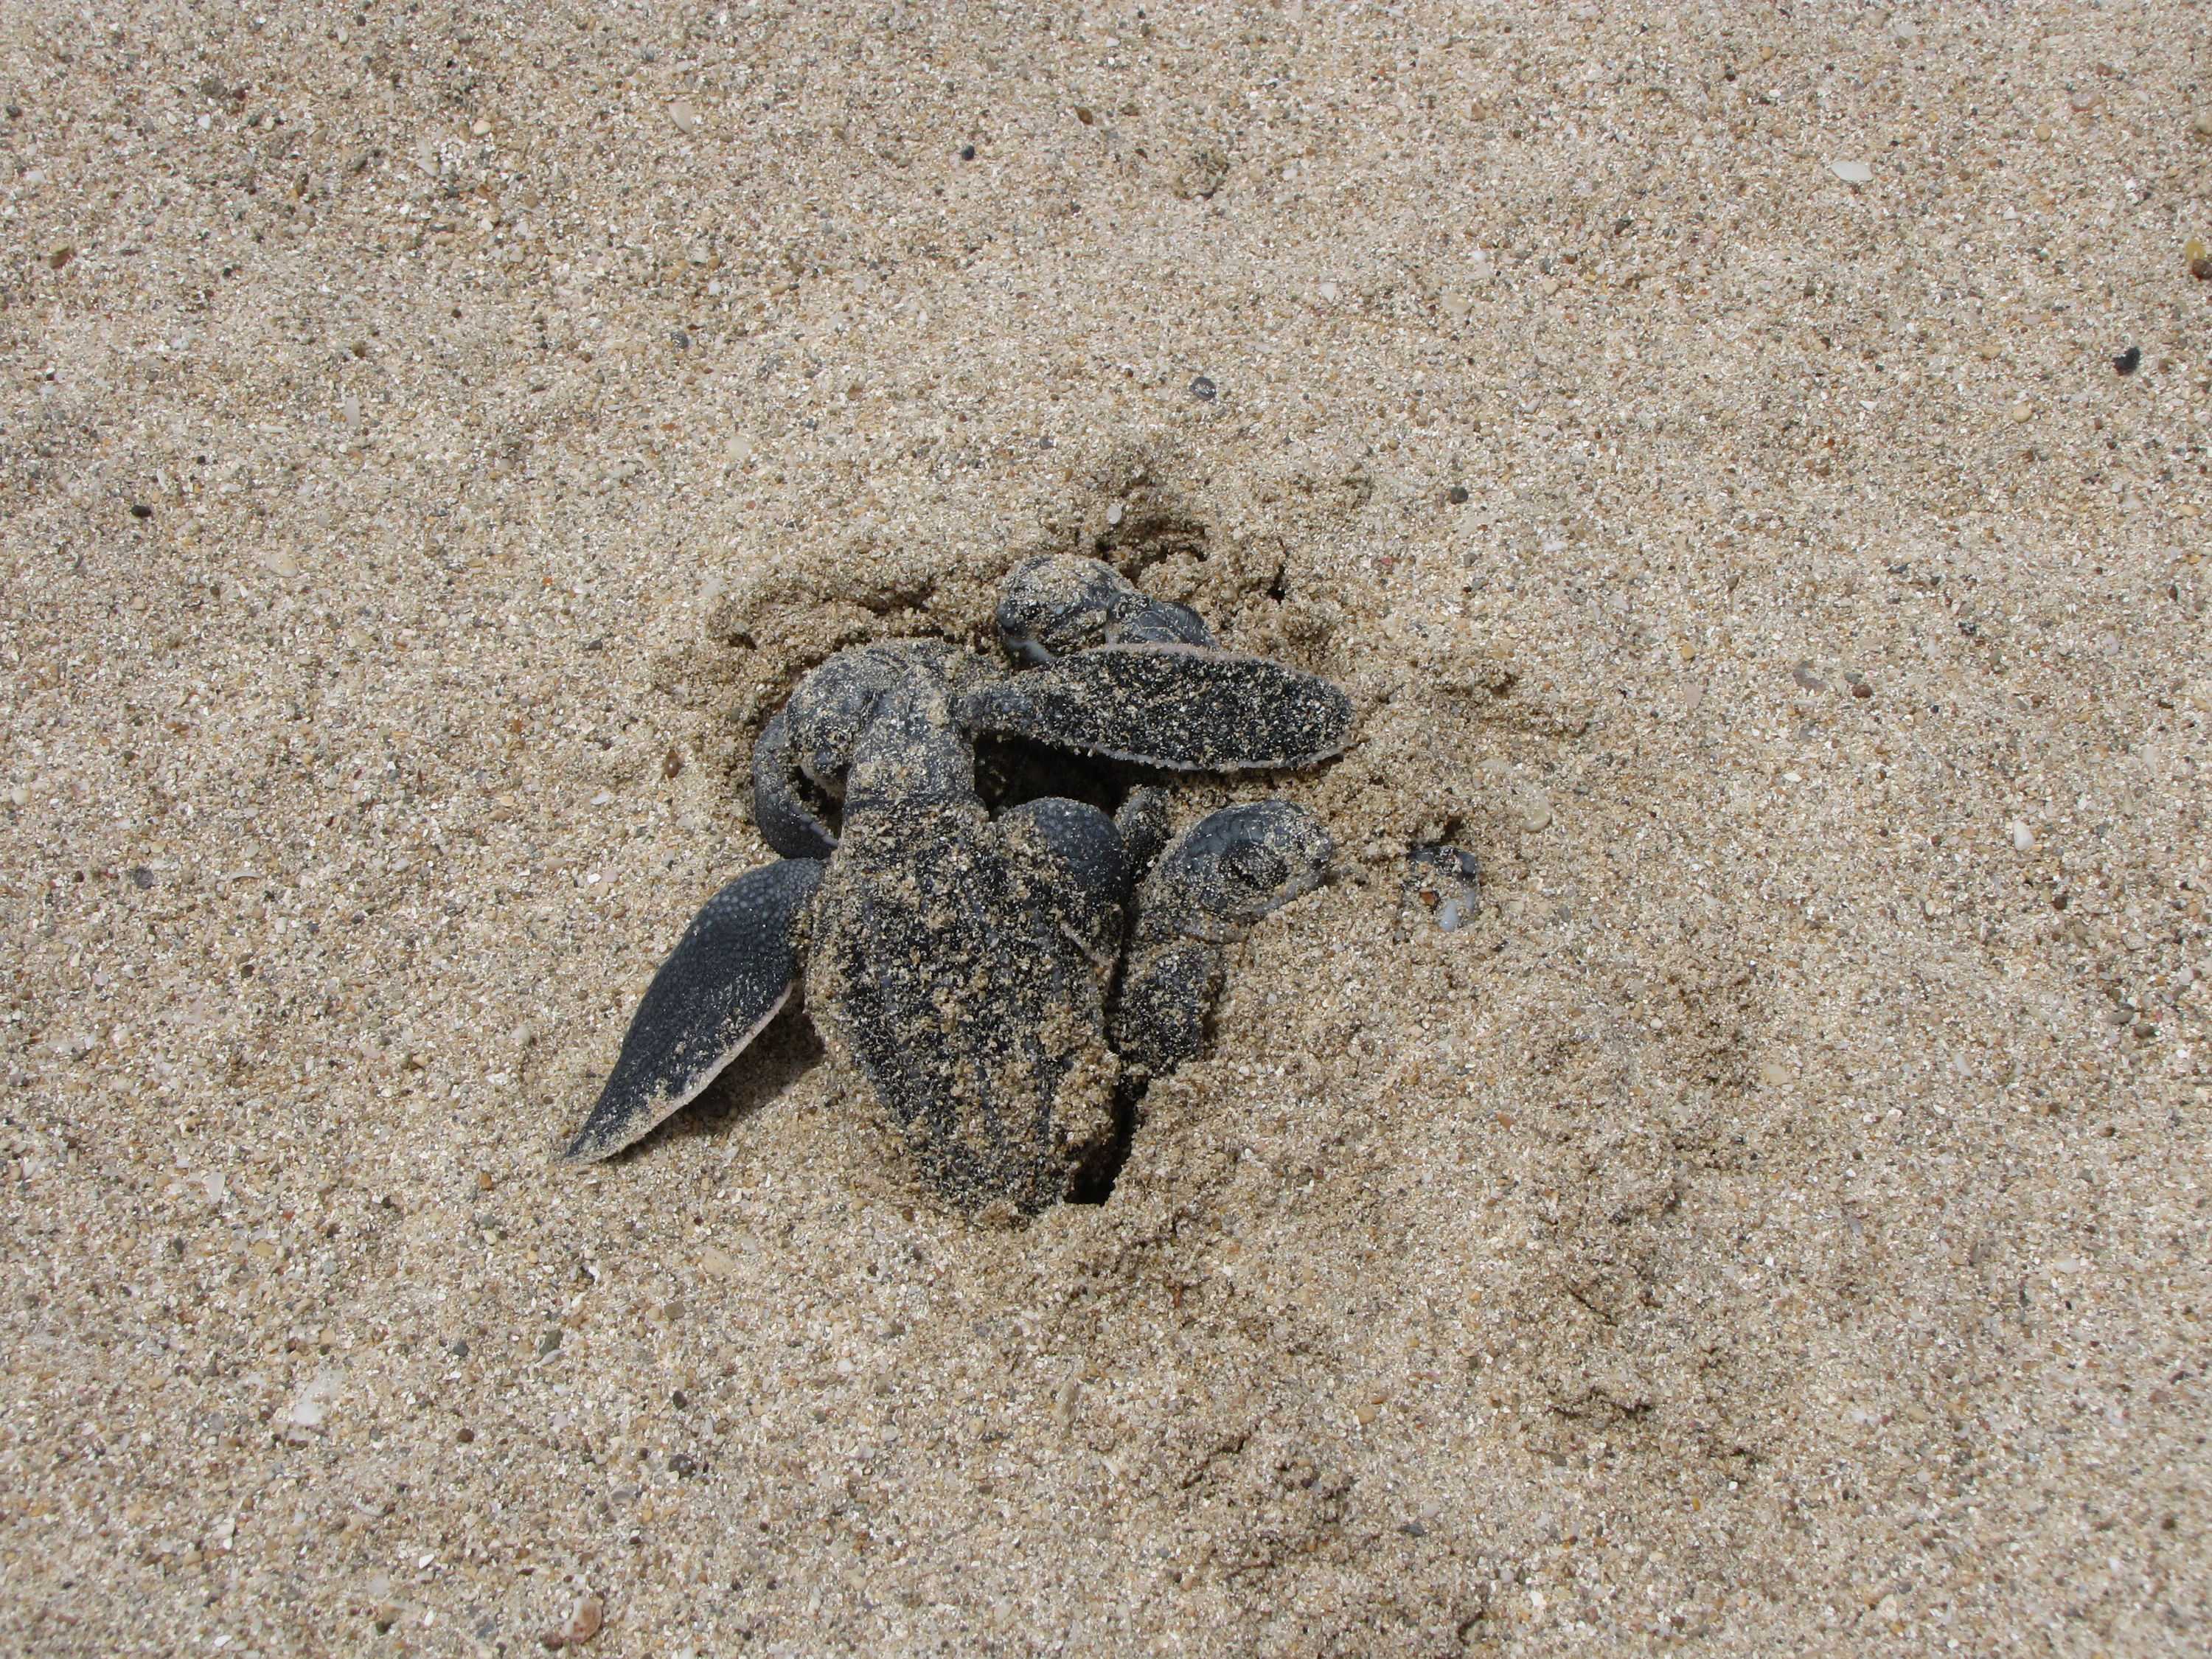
(1852, 172)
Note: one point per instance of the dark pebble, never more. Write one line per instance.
(141, 876)
(967, 152)
(140, 510)
(1456, 494)
(680, 1398)
(2128, 360)
(682, 340)
(1450, 859)
(1202, 389)
(1085, 114)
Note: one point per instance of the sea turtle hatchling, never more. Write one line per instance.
(970, 968)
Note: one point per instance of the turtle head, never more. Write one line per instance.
(835, 703)
(1236, 865)
(1059, 604)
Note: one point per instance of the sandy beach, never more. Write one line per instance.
(1746, 466)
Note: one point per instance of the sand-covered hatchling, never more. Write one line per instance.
(970, 968)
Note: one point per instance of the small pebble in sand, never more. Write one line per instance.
(2023, 838)
(685, 117)
(1456, 494)
(1445, 882)
(2198, 260)
(967, 152)
(581, 1624)
(2128, 362)
(1852, 172)
(1202, 389)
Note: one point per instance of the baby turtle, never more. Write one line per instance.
(966, 965)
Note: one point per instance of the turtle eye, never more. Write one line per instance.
(1018, 632)
(1255, 867)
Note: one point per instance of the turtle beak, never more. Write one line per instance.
(830, 779)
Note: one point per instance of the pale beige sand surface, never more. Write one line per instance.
(435, 438)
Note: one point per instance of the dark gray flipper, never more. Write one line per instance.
(1074, 854)
(1159, 1021)
(1145, 829)
(1178, 706)
(786, 822)
(732, 969)
(1219, 876)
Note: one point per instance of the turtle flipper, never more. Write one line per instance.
(1187, 707)
(732, 969)
(1074, 854)
(1145, 829)
(780, 813)
(1159, 1018)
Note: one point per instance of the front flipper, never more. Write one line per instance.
(1159, 1019)
(1073, 853)
(725, 979)
(781, 812)
(1187, 707)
